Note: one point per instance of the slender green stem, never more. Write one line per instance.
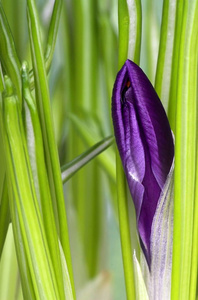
(125, 229)
(164, 64)
(31, 226)
(185, 153)
(73, 166)
(40, 177)
(51, 39)
(138, 8)
(175, 63)
(8, 54)
(194, 262)
(123, 23)
(52, 161)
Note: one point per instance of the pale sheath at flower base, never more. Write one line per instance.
(145, 143)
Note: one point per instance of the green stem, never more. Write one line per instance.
(125, 229)
(175, 64)
(52, 160)
(31, 226)
(43, 190)
(123, 23)
(51, 39)
(185, 154)
(164, 64)
(8, 54)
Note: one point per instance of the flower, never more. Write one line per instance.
(145, 143)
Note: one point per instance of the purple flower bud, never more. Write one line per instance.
(145, 144)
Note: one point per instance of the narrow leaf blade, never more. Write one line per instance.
(76, 164)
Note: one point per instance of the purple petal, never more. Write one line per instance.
(145, 143)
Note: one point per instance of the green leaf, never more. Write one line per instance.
(51, 153)
(140, 287)
(37, 161)
(51, 39)
(179, 19)
(4, 201)
(10, 285)
(66, 277)
(165, 56)
(77, 163)
(123, 22)
(8, 55)
(185, 79)
(23, 200)
(25, 275)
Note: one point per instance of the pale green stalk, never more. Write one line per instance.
(108, 46)
(25, 276)
(51, 38)
(123, 22)
(26, 281)
(4, 201)
(185, 152)
(62, 93)
(52, 33)
(52, 161)
(194, 258)
(2, 154)
(12, 10)
(125, 229)
(41, 179)
(194, 261)
(31, 226)
(175, 63)
(164, 64)
(150, 37)
(9, 270)
(8, 55)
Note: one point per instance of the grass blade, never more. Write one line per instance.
(43, 103)
(8, 55)
(76, 164)
(37, 160)
(51, 39)
(185, 152)
(163, 73)
(30, 222)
